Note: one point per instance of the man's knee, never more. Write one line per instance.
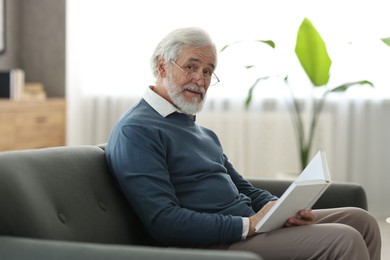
(361, 214)
(347, 243)
(361, 220)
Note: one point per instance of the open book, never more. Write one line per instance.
(301, 194)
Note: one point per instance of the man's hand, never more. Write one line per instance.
(258, 216)
(305, 217)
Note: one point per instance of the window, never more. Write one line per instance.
(110, 42)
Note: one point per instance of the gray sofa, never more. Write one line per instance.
(62, 203)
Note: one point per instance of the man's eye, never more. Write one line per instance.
(191, 68)
(207, 73)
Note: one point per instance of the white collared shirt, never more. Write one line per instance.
(158, 103)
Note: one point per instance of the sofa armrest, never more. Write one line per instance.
(339, 194)
(37, 249)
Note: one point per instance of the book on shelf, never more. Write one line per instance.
(14, 87)
(12, 84)
(301, 194)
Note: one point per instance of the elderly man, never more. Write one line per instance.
(178, 180)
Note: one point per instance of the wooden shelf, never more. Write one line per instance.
(32, 124)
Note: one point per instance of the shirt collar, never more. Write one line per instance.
(161, 105)
(158, 103)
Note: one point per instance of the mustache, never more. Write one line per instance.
(195, 88)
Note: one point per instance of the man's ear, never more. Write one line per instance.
(161, 68)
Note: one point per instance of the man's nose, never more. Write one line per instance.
(198, 79)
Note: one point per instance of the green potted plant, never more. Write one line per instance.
(312, 54)
(386, 41)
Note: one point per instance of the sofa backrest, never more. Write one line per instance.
(64, 193)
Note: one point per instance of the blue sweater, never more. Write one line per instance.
(176, 177)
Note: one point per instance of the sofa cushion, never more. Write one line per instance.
(339, 194)
(40, 249)
(64, 193)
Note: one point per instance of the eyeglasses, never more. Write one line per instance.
(191, 72)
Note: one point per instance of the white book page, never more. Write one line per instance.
(317, 169)
(301, 194)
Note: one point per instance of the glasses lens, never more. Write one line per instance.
(213, 80)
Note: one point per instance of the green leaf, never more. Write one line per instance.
(286, 79)
(345, 86)
(224, 47)
(268, 42)
(312, 54)
(248, 99)
(228, 45)
(386, 41)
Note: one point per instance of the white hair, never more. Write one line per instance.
(171, 45)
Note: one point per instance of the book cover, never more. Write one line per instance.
(301, 194)
(5, 84)
(12, 84)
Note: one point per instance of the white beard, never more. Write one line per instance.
(176, 94)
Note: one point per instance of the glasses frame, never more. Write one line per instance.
(188, 74)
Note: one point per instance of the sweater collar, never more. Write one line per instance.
(161, 105)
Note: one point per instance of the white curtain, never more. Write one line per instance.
(110, 42)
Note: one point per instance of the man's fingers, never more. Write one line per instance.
(305, 217)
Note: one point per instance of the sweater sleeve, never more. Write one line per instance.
(258, 197)
(137, 158)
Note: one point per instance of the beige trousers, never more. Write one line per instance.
(341, 233)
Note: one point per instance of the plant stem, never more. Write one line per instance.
(317, 108)
(296, 117)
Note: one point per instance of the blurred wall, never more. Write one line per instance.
(36, 42)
